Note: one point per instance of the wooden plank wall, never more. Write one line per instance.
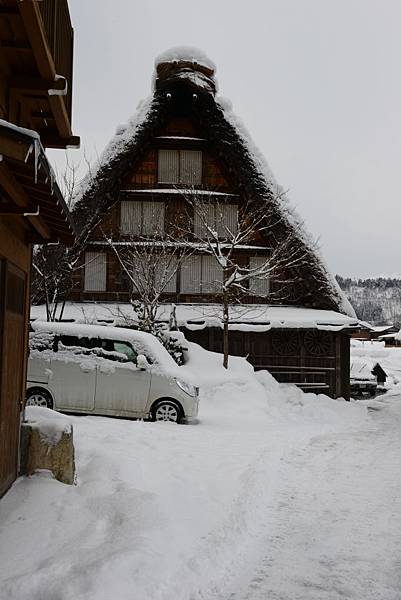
(298, 367)
(15, 257)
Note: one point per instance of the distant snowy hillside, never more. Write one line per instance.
(377, 300)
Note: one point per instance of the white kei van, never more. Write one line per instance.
(106, 371)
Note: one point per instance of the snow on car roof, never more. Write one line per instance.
(148, 341)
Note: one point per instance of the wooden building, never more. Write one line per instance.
(184, 140)
(36, 40)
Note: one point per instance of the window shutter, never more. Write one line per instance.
(130, 217)
(169, 166)
(204, 211)
(95, 271)
(226, 219)
(153, 218)
(191, 167)
(212, 275)
(191, 275)
(166, 268)
(259, 286)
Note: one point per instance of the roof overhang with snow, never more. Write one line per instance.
(251, 317)
(28, 187)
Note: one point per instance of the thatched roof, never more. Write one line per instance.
(185, 80)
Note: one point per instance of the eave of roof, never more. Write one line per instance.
(32, 186)
(252, 317)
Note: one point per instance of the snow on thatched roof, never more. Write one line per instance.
(186, 71)
(186, 54)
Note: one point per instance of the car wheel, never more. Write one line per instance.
(167, 410)
(39, 397)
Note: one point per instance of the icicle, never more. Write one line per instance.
(36, 144)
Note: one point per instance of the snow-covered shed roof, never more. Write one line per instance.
(182, 73)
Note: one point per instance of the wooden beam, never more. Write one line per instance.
(13, 148)
(11, 209)
(37, 36)
(61, 116)
(54, 141)
(11, 186)
(9, 10)
(18, 195)
(27, 85)
(19, 45)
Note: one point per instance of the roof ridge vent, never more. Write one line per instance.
(185, 64)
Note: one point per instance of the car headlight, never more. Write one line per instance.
(189, 389)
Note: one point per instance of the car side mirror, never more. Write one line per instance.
(142, 362)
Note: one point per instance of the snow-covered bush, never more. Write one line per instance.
(173, 341)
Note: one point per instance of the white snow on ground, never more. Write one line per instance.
(373, 352)
(273, 494)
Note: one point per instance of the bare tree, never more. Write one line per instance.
(224, 234)
(150, 266)
(54, 265)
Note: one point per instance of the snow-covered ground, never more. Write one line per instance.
(373, 352)
(273, 494)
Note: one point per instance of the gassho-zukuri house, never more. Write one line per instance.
(185, 141)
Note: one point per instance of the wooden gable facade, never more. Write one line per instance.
(35, 68)
(151, 205)
(183, 145)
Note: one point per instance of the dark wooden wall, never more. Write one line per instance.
(15, 259)
(316, 361)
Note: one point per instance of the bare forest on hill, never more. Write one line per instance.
(376, 300)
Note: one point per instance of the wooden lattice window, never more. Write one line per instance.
(258, 286)
(95, 272)
(201, 274)
(180, 166)
(221, 218)
(142, 218)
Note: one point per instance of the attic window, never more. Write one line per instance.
(180, 166)
(221, 218)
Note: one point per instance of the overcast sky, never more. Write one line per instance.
(316, 82)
